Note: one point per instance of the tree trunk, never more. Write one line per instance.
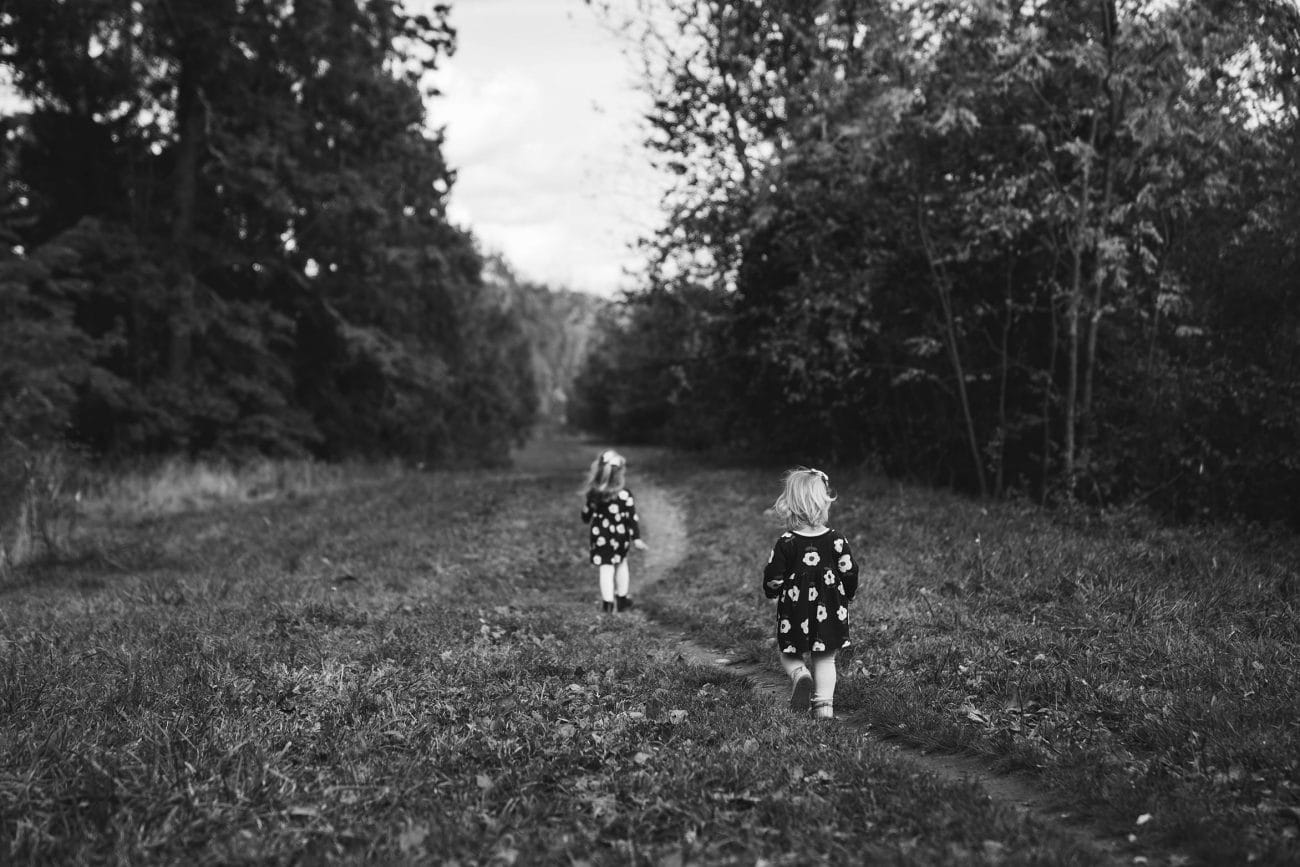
(190, 125)
(1072, 348)
(999, 479)
(954, 354)
(1073, 312)
(1088, 421)
(1048, 382)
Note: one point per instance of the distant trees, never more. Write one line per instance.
(224, 230)
(559, 326)
(1007, 246)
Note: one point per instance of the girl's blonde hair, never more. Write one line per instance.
(805, 501)
(608, 473)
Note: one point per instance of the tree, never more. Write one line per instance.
(977, 240)
(260, 213)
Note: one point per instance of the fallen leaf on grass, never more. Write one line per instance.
(604, 805)
(677, 717)
(412, 838)
(974, 714)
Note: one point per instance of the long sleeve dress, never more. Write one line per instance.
(813, 579)
(614, 525)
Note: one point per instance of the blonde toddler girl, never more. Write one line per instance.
(812, 576)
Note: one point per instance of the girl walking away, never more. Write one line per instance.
(611, 512)
(812, 576)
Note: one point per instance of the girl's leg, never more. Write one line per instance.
(607, 582)
(793, 664)
(824, 678)
(803, 682)
(622, 579)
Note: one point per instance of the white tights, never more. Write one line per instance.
(614, 579)
(823, 672)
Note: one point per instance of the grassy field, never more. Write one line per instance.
(1146, 676)
(410, 668)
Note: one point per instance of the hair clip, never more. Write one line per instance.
(825, 479)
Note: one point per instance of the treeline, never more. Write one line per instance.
(1046, 248)
(558, 325)
(224, 232)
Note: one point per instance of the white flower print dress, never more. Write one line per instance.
(813, 579)
(613, 525)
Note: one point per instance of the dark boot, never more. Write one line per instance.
(606, 607)
(623, 602)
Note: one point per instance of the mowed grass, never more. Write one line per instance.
(1148, 676)
(411, 670)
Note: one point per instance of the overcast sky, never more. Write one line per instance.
(542, 125)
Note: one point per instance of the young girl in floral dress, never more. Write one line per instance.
(813, 577)
(611, 512)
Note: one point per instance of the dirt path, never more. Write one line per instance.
(665, 527)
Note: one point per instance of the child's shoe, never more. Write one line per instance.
(622, 603)
(606, 607)
(823, 710)
(802, 692)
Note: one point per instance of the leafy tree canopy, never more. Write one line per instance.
(226, 218)
(1008, 246)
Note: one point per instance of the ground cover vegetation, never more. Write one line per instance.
(223, 233)
(405, 669)
(1012, 247)
(1134, 670)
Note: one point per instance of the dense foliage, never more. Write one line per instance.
(1010, 246)
(224, 231)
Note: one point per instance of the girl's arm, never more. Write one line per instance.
(774, 572)
(588, 512)
(848, 571)
(630, 518)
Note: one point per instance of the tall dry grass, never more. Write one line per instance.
(176, 485)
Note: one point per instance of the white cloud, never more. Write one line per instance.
(541, 119)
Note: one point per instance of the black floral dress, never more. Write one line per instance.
(813, 579)
(613, 525)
